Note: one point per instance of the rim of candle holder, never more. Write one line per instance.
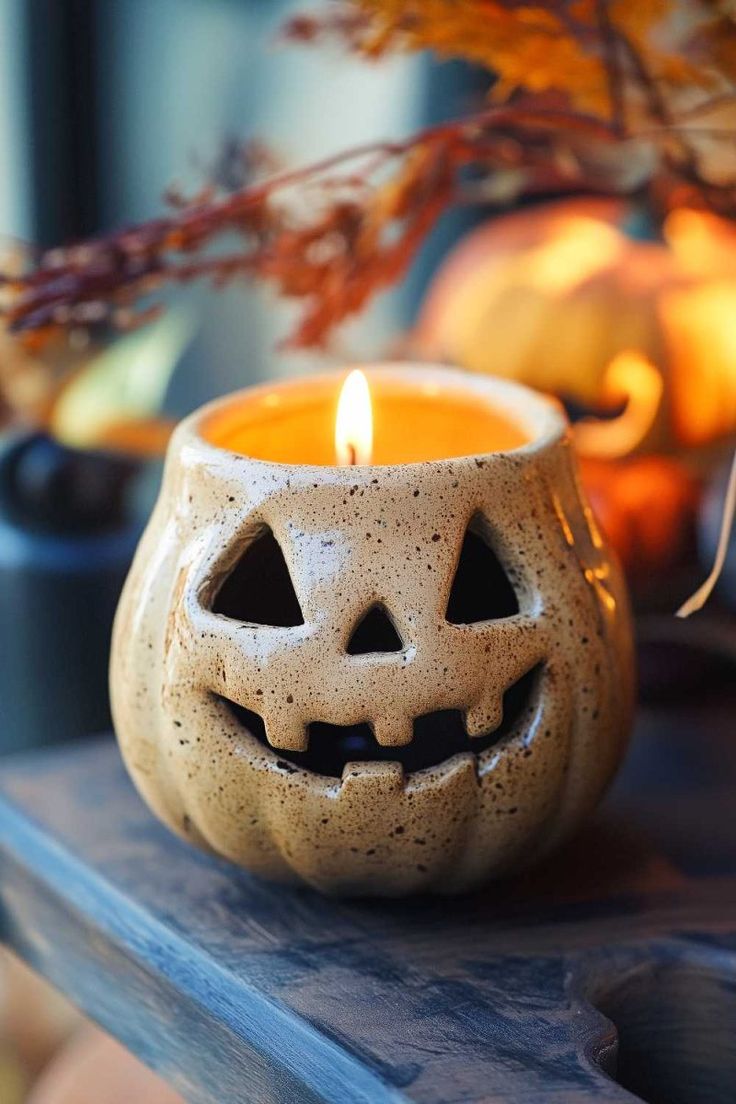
(539, 417)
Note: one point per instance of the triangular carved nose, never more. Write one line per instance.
(375, 632)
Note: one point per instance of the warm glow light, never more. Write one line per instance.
(703, 244)
(632, 377)
(354, 421)
(580, 249)
(701, 327)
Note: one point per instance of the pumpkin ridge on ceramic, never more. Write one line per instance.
(224, 722)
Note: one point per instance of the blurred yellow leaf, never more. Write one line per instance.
(125, 384)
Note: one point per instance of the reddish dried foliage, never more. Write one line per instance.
(622, 129)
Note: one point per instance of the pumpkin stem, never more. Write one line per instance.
(697, 600)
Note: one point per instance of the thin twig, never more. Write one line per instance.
(612, 64)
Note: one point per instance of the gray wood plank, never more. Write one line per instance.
(236, 990)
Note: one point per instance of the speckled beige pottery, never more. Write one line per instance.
(178, 667)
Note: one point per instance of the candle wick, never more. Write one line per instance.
(352, 458)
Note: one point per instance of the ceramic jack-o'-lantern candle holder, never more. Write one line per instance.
(412, 674)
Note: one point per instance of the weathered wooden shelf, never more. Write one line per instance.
(238, 991)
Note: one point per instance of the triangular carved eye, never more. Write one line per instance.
(259, 588)
(481, 589)
(375, 632)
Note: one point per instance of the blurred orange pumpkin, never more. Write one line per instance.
(559, 297)
(646, 507)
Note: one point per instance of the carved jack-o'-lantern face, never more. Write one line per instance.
(381, 678)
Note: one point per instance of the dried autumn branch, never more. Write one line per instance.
(367, 212)
(600, 95)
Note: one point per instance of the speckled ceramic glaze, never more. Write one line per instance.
(354, 538)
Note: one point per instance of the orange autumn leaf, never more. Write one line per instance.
(526, 46)
(574, 47)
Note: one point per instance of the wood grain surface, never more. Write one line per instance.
(619, 954)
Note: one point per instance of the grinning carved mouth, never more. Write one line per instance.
(438, 736)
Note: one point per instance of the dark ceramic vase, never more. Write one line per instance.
(68, 529)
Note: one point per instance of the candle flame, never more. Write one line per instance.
(632, 377)
(354, 421)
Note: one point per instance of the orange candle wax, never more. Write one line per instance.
(416, 417)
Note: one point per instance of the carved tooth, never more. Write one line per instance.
(464, 768)
(393, 731)
(364, 780)
(291, 737)
(460, 771)
(484, 718)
